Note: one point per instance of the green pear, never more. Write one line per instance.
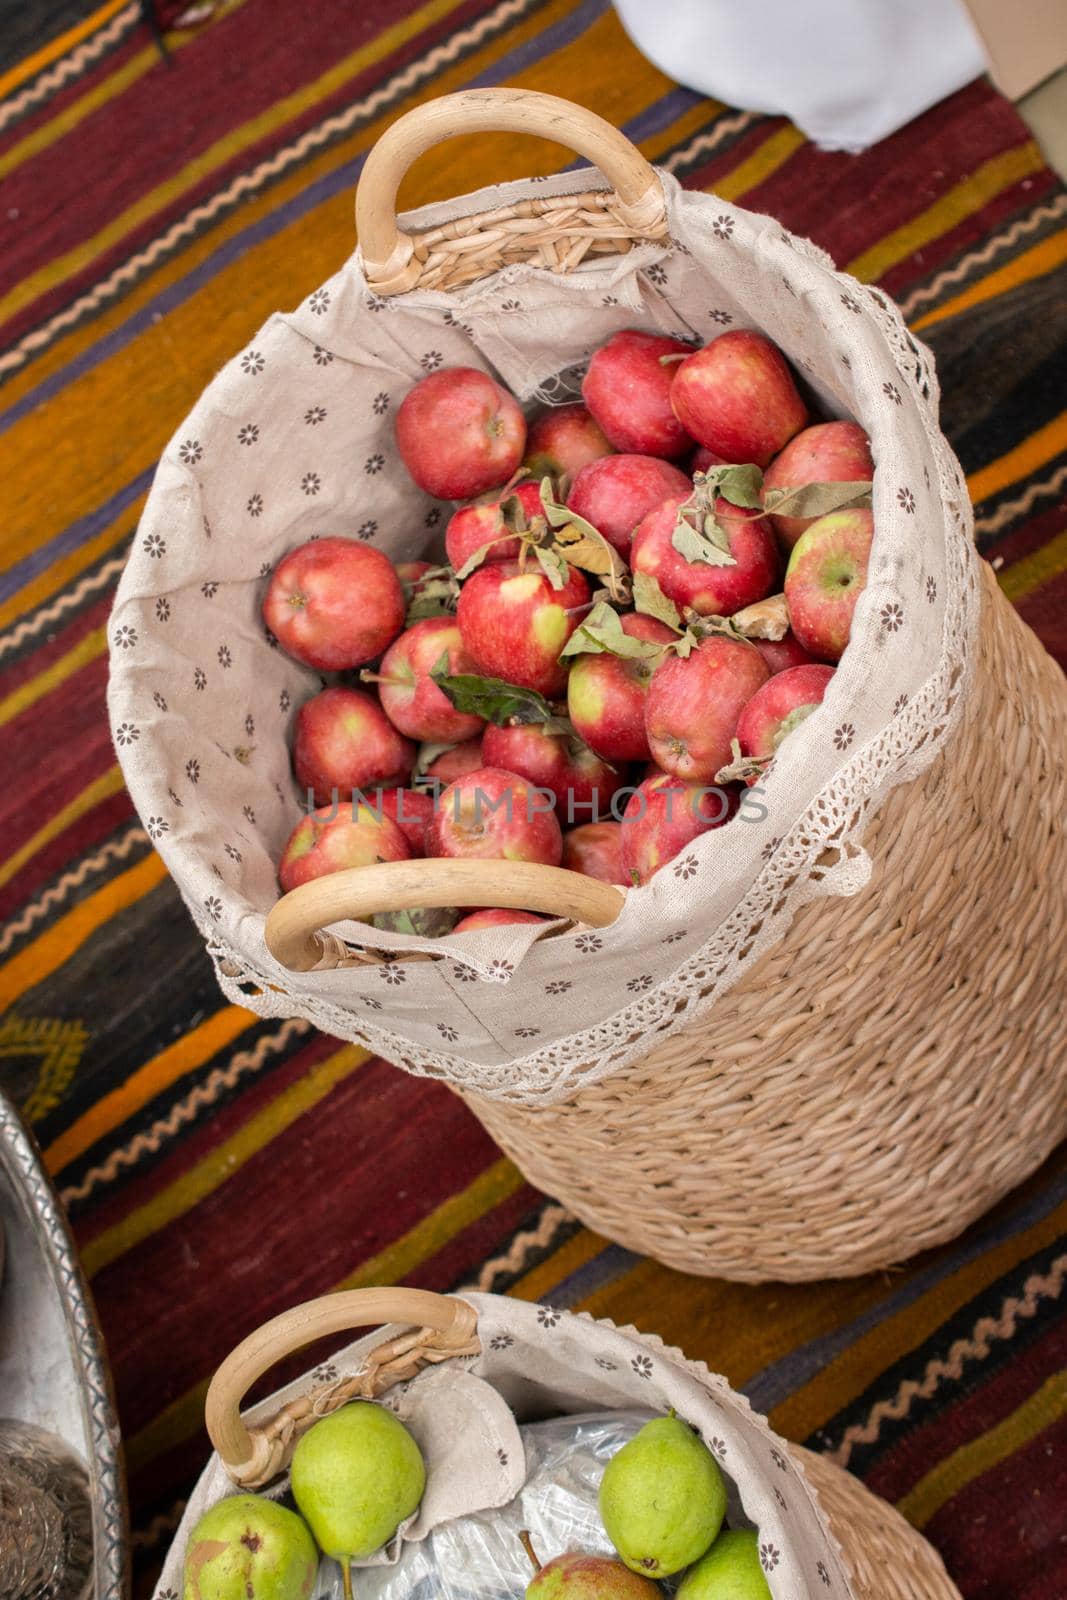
(730, 1570)
(248, 1548)
(662, 1498)
(356, 1475)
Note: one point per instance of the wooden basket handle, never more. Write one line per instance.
(442, 1327)
(388, 253)
(293, 926)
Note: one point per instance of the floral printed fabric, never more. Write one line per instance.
(294, 440)
(542, 1362)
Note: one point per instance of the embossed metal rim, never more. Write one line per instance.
(20, 1158)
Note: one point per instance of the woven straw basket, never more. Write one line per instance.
(881, 1045)
(894, 1065)
(822, 1532)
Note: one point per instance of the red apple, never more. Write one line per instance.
(581, 784)
(703, 459)
(410, 698)
(781, 654)
(737, 397)
(606, 693)
(664, 815)
(334, 604)
(693, 704)
(628, 390)
(491, 815)
(514, 624)
(596, 849)
(830, 452)
(778, 706)
(410, 809)
(826, 575)
(578, 1575)
(457, 762)
(494, 917)
(459, 433)
(338, 837)
(471, 527)
(617, 491)
(562, 441)
(710, 590)
(345, 741)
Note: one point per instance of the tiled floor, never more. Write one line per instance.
(1045, 109)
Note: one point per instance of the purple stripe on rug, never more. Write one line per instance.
(77, 533)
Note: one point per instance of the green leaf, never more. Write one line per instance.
(650, 599)
(582, 545)
(742, 485)
(553, 565)
(602, 633)
(425, 922)
(496, 700)
(708, 543)
(479, 555)
(433, 595)
(819, 499)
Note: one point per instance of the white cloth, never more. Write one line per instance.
(847, 74)
(295, 438)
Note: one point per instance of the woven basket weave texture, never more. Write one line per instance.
(888, 1070)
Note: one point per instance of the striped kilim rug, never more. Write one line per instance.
(218, 1168)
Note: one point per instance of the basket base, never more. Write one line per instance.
(889, 1559)
(893, 1066)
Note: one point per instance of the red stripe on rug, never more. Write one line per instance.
(981, 1402)
(170, 1473)
(336, 1187)
(53, 646)
(207, 100)
(193, 1145)
(82, 838)
(1046, 612)
(847, 203)
(1005, 1534)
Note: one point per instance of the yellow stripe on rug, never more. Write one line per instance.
(223, 1162)
(960, 202)
(1038, 1413)
(1023, 577)
(192, 1050)
(87, 649)
(1036, 262)
(1033, 452)
(102, 788)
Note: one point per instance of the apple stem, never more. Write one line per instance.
(346, 1578)
(366, 676)
(527, 1545)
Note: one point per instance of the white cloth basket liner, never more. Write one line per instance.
(294, 439)
(540, 1362)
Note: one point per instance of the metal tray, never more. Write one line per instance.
(53, 1369)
